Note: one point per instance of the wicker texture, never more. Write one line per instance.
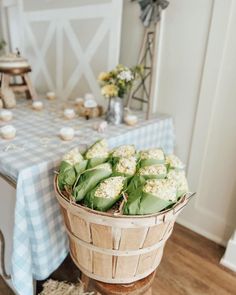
(116, 249)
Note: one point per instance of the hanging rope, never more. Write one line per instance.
(2, 254)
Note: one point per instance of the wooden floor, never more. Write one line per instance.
(190, 266)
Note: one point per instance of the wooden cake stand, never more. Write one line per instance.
(141, 287)
(26, 86)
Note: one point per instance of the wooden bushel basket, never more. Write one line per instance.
(117, 249)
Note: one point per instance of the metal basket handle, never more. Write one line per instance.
(183, 203)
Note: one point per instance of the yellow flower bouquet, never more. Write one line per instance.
(114, 86)
(118, 81)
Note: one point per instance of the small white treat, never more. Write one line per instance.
(6, 115)
(69, 113)
(79, 101)
(37, 105)
(131, 120)
(51, 95)
(67, 133)
(8, 131)
(90, 103)
(100, 126)
(89, 96)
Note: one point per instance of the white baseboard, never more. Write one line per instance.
(229, 258)
(202, 232)
(228, 264)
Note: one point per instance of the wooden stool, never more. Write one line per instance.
(26, 85)
(141, 287)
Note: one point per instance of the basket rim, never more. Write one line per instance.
(180, 202)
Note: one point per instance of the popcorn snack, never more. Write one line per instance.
(71, 166)
(164, 189)
(151, 157)
(125, 166)
(97, 153)
(89, 179)
(124, 151)
(106, 194)
(153, 171)
(178, 177)
(149, 180)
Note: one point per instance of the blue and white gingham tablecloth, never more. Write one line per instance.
(40, 242)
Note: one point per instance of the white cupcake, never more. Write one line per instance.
(37, 105)
(8, 132)
(6, 115)
(69, 114)
(51, 95)
(67, 133)
(131, 120)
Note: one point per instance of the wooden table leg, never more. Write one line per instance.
(85, 280)
(5, 81)
(30, 92)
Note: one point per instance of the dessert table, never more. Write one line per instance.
(30, 160)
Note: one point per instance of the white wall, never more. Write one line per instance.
(132, 33)
(196, 86)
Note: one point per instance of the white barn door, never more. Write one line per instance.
(67, 42)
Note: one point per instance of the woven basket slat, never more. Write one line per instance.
(65, 214)
(101, 235)
(84, 255)
(146, 261)
(102, 265)
(133, 238)
(158, 257)
(168, 229)
(154, 235)
(126, 266)
(80, 228)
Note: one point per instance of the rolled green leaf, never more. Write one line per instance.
(135, 183)
(67, 175)
(106, 194)
(144, 203)
(152, 197)
(151, 157)
(71, 166)
(97, 153)
(89, 179)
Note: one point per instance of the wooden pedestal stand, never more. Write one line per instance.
(26, 85)
(141, 287)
